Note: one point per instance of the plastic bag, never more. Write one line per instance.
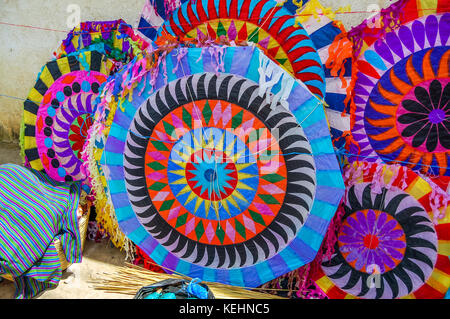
(175, 289)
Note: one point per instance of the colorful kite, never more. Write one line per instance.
(270, 27)
(57, 113)
(116, 39)
(221, 167)
(401, 112)
(390, 243)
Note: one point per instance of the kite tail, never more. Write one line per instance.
(309, 273)
(350, 98)
(377, 180)
(339, 51)
(170, 6)
(141, 258)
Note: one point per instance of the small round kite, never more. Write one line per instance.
(402, 95)
(222, 174)
(115, 39)
(57, 113)
(271, 27)
(118, 42)
(388, 246)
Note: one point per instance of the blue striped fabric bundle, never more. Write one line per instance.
(34, 211)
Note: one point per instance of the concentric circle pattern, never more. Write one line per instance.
(207, 176)
(214, 176)
(58, 114)
(67, 115)
(375, 233)
(387, 245)
(402, 95)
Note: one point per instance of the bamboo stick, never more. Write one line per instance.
(128, 280)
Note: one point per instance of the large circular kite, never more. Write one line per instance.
(402, 97)
(213, 177)
(271, 27)
(57, 113)
(388, 246)
(214, 184)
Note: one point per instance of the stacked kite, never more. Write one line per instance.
(58, 113)
(256, 142)
(210, 130)
(393, 239)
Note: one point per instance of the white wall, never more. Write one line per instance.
(23, 50)
(358, 8)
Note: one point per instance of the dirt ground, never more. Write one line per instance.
(97, 258)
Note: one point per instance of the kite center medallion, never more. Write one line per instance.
(213, 173)
(422, 116)
(375, 233)
(388, 234)
(78, 133)
(210, 175)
